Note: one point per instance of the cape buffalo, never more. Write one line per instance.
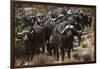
(78, 20)
(62, 37)
(34, 39)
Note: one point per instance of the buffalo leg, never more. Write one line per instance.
(54, 50)
(43, 48)
(57, 53)
(62, 53)
(69, 50)
(50, 51)
(27, 55)
(38, 50)
(79, 39)
(32, 53)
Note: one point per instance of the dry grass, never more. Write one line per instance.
(40, 59)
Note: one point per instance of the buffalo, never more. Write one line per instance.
(34, 39)
(62, 37)
(78, 20)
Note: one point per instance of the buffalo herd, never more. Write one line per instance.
(53, 33)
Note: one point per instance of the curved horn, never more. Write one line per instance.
(81, 29)
(66, 27)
